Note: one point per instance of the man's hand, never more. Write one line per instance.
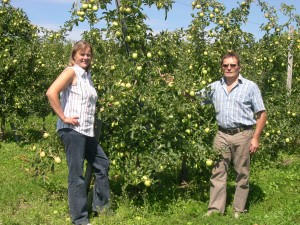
(254, 144)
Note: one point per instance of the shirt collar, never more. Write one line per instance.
(81, 71)
(240, 79)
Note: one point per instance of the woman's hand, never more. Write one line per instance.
(71, 120)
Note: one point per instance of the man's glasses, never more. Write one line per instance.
(231, 65)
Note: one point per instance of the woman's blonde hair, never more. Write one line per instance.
(78, 46)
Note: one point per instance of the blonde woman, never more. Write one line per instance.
(75, 125)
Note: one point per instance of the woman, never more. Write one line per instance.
(75, 125)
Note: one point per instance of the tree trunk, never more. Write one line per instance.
(14, 129)
(184, 171)
(2, 127)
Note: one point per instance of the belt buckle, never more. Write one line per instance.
(235, 131)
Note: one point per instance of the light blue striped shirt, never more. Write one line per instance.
(79, 100)
(236, 108)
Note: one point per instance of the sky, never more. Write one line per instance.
(52, 14)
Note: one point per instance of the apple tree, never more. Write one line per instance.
(151, 122)
(15, 52)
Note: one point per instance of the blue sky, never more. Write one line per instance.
(53, 13)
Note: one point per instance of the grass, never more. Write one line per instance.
(274, 197)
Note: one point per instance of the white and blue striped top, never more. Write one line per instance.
(79, 100)
(236, 108)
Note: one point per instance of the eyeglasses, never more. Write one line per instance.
(231, 65)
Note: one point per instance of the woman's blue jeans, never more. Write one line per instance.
(79, 147)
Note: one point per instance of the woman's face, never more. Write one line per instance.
(83, 58)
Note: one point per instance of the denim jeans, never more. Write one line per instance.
(79, 147)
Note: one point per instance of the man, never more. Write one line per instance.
(239, 106)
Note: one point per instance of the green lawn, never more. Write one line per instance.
(274, 197)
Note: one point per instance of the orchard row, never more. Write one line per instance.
(148, 117)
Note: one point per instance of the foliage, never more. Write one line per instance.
(151, 121)
(29, 63)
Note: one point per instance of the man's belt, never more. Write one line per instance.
(233, 131)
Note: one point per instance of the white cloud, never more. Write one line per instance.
(49, 26)
(75, 34)
(59, 1)
(157, 24)
(52, 1)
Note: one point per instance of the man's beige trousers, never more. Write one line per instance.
(236, 149)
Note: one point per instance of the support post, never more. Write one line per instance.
(290, 64)
(89, 168)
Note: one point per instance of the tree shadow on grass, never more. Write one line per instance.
(256, 194)
(55, 191)
(29, 136)
(168, 189)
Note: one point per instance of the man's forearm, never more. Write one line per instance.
(260, 124)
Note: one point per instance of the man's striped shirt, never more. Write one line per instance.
(238, 107)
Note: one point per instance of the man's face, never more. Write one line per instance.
(230, 68)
